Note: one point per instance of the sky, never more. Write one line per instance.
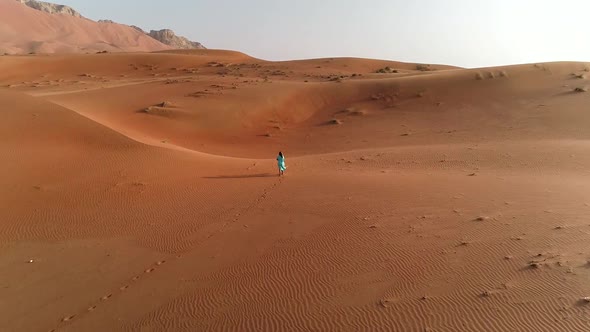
(466, 33)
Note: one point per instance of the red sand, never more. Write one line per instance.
(144, 189)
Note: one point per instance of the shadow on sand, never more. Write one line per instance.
(249, 176)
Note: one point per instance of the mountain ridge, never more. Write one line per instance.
(165, 36)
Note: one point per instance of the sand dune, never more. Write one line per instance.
(26, 30)
(143, 188)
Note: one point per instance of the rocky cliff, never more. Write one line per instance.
(168, 37)
(50, 8)
(165, 36)
(24, 30)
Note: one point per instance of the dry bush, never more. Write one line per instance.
(423, 67)
(386, 70)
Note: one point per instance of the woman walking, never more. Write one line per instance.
(281, 164)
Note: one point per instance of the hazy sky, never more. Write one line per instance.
(468, 33)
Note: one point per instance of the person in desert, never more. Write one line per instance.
(281, 163)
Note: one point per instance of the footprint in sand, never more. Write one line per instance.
(149, 270)
(106, 297)
(160, 263)
(124, 288)
(92, 308)
(69, 318)
(135, 278)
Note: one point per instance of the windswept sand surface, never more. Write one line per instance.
(143, 188)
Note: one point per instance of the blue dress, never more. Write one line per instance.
(281, 163)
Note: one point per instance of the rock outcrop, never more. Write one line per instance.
(27, 32)
(51, 8)
(168, 37)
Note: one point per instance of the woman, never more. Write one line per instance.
(281, 164)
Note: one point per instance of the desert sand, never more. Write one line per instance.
(139, 192)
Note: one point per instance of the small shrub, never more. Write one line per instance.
(423, 67)
(386, 70)
(335, 122)
(164, 104)
(357, 113)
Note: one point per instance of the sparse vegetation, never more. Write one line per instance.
(164, 104)
(535, 265)
(334, 122)
(357, 113)
(386, 70)
(352, 112)
(486, 294)
(424, 67)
